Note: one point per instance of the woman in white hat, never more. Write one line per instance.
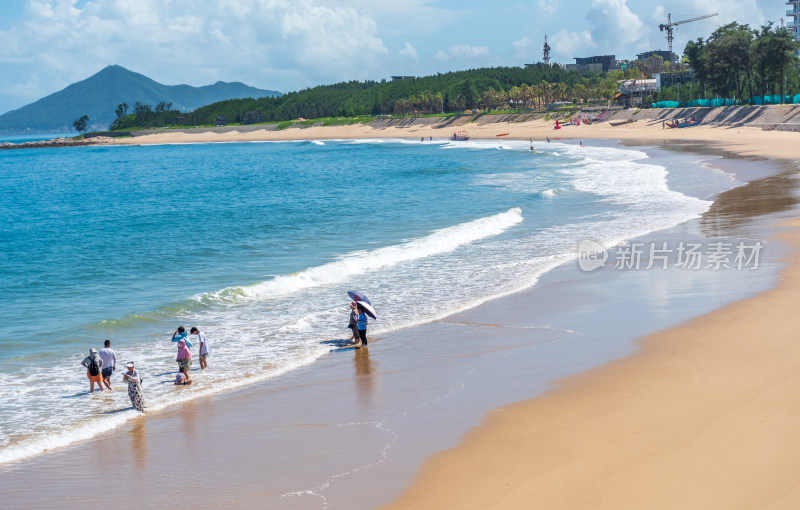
(134, 386)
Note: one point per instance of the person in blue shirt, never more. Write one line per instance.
(362, 324)
(180, 334)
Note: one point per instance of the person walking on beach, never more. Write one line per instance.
(362, 324)
(109, 358)
(134, 381)
(184, 358)
(94, 368)
(203, 347)
(182, 379)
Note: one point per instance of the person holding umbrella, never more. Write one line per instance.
(364, 309)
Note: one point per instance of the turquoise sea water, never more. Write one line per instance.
(257, 243)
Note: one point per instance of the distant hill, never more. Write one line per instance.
(98, 96)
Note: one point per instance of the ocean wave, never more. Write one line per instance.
(439, 241)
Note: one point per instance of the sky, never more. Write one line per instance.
(289, 45)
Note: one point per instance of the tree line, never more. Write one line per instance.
(735, 60)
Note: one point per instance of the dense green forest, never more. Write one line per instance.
(735, 61)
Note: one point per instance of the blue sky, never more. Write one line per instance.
(291, 44)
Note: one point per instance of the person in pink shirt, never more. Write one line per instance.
(184, 358)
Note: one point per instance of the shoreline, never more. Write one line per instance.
(161, 416)
(742, 139)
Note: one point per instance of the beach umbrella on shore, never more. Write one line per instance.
(368, 309)
(357, 296)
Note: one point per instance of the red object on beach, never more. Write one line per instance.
(502, 134)
(557, 126)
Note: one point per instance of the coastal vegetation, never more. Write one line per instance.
(735, 61)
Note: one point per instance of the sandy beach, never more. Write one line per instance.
(700, 415)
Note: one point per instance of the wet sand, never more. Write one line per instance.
(351, 430)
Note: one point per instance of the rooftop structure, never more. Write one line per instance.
(398, 78)
(596, 64)
(668, 56)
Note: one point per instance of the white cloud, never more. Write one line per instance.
(462, 51)
(547, 7)
(659, 16)
(614, 24)
(408, 51)
(567, 45)
(522, 47)
(281, 44)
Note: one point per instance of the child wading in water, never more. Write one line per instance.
(182, 378)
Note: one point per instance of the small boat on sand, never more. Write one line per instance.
(502, 134)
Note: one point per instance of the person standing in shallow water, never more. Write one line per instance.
(362, 324)
(184, 357)
(134, 381)
(109, 358)
(94, 369)
(353, 323)
(203, 347)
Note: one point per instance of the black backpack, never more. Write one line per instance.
(94, 368)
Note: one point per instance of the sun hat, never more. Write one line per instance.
(92, 351)
(129, 364)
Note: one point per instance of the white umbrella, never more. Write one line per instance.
(367, 308)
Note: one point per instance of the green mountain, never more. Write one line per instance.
(98, 96)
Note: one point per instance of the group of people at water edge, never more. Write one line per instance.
(100, 366)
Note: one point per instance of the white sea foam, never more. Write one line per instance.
(440, 241)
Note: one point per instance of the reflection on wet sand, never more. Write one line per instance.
(365, 379)
(189, 419)
(736, 207)
(138, 435)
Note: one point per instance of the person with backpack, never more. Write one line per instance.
(94, 370)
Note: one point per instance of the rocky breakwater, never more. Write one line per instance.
(54, 142)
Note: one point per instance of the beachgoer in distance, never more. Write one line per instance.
(203, 347)
(184, 358)
(94, 369)
(182, 379)
(353, 322)
(362, 324)
(548, 139)
(421, 138)
(109, 358)
(134, 381)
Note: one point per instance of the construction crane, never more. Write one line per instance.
(668, 26)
